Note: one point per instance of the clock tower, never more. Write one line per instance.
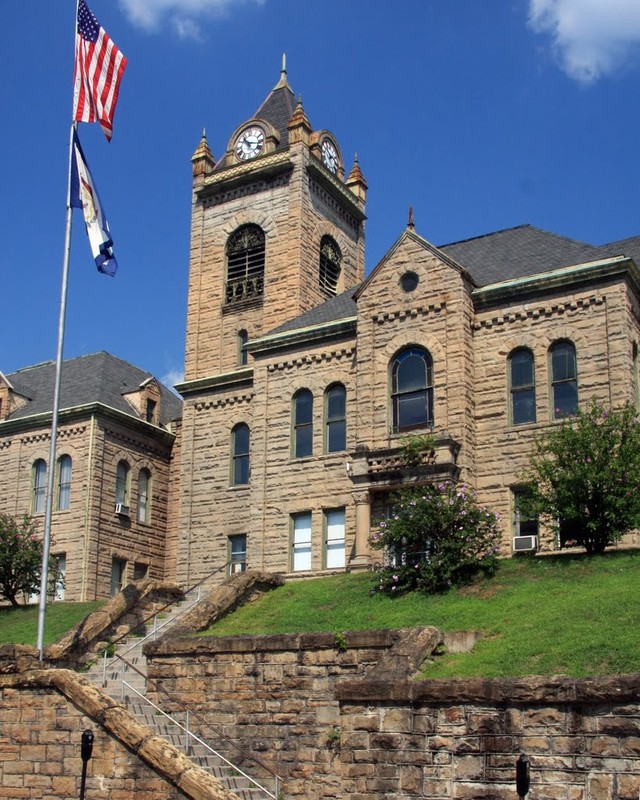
(276, 230)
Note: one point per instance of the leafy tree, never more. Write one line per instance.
(585, 476)
(436, 537)
(20, 558)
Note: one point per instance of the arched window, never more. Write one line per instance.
(38, 486)
(564, 379)
(243, 338)
(335, 418)
(245, 264)
(302, 423)
(123, 484)
(144, 496)
(240, 442)
(412, 389)
(64, 483)
(330, 262)
(522, 386)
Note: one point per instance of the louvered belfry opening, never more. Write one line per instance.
(330, 261)
(245, 264)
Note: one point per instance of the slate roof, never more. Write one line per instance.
(516, 253)
(495, 257)
(277, 110)
(96, 378)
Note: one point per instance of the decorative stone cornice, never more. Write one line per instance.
(226, 380)
(558, 279)
(315, 358)
(539, 312)
(258, 170)
(223, 402)
(409, 313)
(326, 185)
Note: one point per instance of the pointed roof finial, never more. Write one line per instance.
(283, 82)
(410, 223)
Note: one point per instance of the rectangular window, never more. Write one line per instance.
(334, 555)
(64, 483)
(61, 573)
(237, 553)
(151, 411)
(118, 575)
(301, 542)
(523, 524)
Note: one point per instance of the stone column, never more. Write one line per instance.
(362, 556)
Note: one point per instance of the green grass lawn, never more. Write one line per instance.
(20, 625)
(568, 614)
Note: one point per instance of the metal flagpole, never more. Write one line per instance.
(46, 544)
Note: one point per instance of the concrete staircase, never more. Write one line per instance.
(123, 677)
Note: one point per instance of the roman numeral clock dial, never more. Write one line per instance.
(249, 144)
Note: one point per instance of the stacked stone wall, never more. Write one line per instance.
(342, 718)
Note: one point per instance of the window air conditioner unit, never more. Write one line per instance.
(122, 510)
(525, 544)
(238, 566)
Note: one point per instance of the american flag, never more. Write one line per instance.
(98, 69)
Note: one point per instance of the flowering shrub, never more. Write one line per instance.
(585, 472)
(20, 558)
(436, 537)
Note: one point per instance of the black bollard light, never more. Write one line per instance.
(522, 776)
(86, 748)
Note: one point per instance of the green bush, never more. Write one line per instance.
(584, 476)
(436, 537)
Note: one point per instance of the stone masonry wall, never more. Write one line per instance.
(42, 716)
(344, 719)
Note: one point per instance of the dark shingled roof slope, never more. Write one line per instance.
(96, 378)
(495, 257)
(516, 253)
(342, 306)
(277, 110)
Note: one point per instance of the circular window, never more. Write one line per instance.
(409, 281)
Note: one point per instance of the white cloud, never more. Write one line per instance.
(172, 377)
(591, 38)
(183, 16)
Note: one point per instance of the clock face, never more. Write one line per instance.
(329, 155)
(249, 144)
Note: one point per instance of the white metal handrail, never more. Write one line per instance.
(191, 735)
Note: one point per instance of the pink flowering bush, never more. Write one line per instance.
(436, 537)
(20, 558)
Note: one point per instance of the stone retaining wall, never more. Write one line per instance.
(42, 716)
(342, 719)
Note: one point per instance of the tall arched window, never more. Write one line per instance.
(522, 386)
(38, 486)
(564, 379)
(335, 418)
(64, 482)
(302, 423)
(245, 264)
(412, 389)
(330, 263)
(123, 483)
(240, 463)
(144, 496)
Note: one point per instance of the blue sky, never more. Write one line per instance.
(481, 114)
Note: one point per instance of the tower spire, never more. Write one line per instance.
(283, 82)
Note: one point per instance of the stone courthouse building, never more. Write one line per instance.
(112, 498)
(303, 375)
